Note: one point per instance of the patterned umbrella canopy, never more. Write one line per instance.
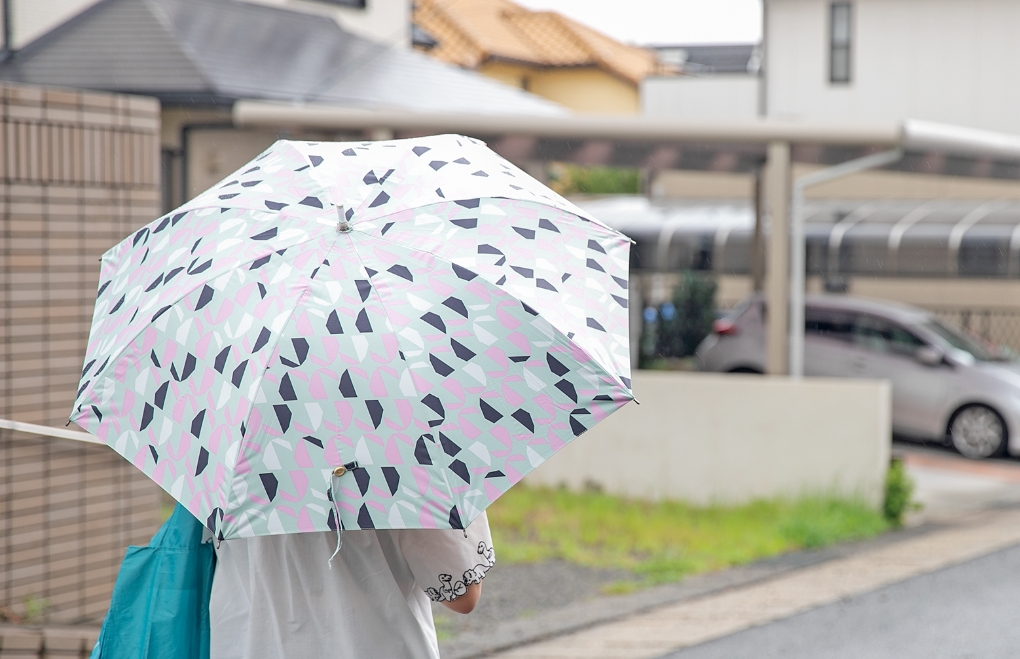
(389, 332)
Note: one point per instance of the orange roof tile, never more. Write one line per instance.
(470, 32)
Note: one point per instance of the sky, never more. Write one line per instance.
(664, 21)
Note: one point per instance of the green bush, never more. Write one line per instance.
(682, 324)
(899, 492)
(575, 179)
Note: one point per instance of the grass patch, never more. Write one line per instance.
(666, 541)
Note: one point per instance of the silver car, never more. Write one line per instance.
(946, 385)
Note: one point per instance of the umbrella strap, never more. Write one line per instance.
(334, 483)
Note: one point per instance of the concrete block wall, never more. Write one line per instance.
(711, 438)
(78, 172)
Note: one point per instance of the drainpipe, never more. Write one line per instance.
(797, 256)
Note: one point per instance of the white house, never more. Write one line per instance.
(944, 60)
(952, 61)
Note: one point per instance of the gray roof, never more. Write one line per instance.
(218, 51)
(706, 59)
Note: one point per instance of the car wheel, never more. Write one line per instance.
(977, 431)
(745, 369)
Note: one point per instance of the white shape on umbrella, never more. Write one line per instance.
(183, 331)
(281, 274)
(574, 251)
(406, 384)
(274, 525)
(483, 453)
(141, 381)
(177, 488)
(409, 492)
(480, 333)
(227, 244)
(157, 248)
(243, 326)
(475, 371)
(279, 322)
(490, 209)
(395, 520)
(334, 290)
(230, 459)
(165, 431)
(314, 414)
(224, 396)
(261, 187)
(534, 458)
(542, 264)
(362, 454)
(269, 458)
(229, 224)
(203, 212)
(470, 510)
(121, 444)
(534, 383)
(413, 336)
(418, 303)
(177, 253)
(292, 236)
(544, 326)
(427, 218)
(360, 346)
(108, 389)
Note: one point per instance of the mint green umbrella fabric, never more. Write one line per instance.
(378, 334)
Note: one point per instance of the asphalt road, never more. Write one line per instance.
(968, 610)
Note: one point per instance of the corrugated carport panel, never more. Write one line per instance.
(984, 251)
(924, 251)
(865, 249)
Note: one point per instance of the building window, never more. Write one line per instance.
(840, 29)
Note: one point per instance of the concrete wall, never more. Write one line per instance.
(709, 98)
(942, 60)
(708, 438)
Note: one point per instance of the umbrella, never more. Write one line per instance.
(390, 333)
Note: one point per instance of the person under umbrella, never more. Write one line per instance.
(382, 336)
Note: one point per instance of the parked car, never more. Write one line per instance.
(947, 386)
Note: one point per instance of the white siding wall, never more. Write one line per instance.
(385, 21)
(30, 19)
(953, 61)
(719, 98)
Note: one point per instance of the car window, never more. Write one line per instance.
(961, 341)
(880, 335)
(829, 323)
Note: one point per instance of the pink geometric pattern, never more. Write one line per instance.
(418, 310)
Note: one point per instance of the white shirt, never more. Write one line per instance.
(275, 597)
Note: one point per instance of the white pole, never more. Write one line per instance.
(797, 256)
(50, 432)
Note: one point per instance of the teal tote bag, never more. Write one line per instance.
(160, 603)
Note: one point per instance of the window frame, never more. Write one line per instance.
(840, 46)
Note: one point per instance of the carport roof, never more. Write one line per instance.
(219, 51)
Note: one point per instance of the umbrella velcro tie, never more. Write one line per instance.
(334, 483)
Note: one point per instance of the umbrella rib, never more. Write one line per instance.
(124, 346)
(382, 304)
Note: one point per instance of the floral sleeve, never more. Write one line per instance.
(445, 563)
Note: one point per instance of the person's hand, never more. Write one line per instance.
(466, 603)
